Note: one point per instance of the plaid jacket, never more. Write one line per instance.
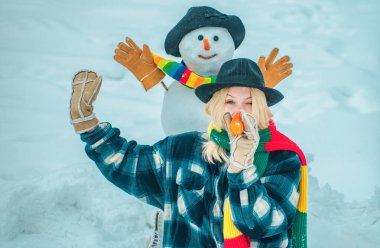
(173, 176)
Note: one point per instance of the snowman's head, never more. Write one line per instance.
(205, 49)
(205, 38)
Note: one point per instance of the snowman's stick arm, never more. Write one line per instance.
(181, 73)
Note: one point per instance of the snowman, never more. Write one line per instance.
(204, 39)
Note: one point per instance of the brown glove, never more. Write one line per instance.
(85, 88)
(139, 62)
(274, 72)
(243, 147)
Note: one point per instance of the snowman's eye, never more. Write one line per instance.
(216, 38)
(200, 37)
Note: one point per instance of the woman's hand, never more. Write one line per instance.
(242, 147)
(85, 89)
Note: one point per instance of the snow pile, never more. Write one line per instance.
(333, 222)
(71, 208)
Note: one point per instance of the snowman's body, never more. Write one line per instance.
(182, 111)
(203, 51)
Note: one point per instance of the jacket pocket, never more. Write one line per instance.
(191, 181)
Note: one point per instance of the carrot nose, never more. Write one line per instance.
(206, 44)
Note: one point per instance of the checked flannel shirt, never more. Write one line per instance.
(172, 176)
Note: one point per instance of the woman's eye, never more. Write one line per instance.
(248, 103)
(216, 38)
(200, 37)
(229, 102)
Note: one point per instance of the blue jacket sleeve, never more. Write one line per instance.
(265, 207)
(139, 170)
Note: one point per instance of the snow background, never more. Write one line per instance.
(54, 196)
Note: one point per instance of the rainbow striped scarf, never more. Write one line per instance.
(270, 140)
(181, 73)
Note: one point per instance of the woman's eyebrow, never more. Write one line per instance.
(250, 97)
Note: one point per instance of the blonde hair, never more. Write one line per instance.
(215, 109)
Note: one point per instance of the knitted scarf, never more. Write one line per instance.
(181, 73)
(270, 140)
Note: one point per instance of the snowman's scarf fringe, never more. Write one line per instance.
(181, 73)
(233, 238)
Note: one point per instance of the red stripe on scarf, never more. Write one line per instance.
(240, 241)
(279, 141)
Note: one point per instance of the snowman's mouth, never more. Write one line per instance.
(207, 57)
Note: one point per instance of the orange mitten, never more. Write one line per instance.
(139, 62)
(274, 72)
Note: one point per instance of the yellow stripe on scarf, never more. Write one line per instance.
(229, 229)
(302, 203)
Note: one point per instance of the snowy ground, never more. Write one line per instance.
(53, 196)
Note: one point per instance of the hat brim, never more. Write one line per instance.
(206, 91)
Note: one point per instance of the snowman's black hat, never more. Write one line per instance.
(238, 72)
(203, 16)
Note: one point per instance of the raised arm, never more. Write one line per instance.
(137, 169)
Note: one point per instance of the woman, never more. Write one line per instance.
(215, 190)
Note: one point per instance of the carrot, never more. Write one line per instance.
(236, 125)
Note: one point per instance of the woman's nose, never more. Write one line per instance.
(237, 109)
(206, 44)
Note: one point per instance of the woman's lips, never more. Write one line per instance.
(207, 57)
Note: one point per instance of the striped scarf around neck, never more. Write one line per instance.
(270, 140)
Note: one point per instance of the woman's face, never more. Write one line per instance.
(238, 98)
